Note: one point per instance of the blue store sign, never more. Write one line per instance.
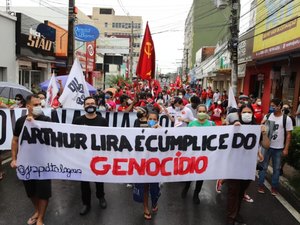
(85, 32)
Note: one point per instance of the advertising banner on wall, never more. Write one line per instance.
(277, 27)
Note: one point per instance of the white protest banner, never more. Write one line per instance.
(136, 155)
(8, 119)
(75, 89)
(52, 91)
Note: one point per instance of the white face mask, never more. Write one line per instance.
(129, 101)
(37, 110)
(219, 102)
(43, 102)
(247, 117)
(177, 108)
(180, 96)
(18, 102)
(258, 103)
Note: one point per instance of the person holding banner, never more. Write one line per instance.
(153, 188)
(202, 121)
(39, 191)
(237, 188)
(91, 118)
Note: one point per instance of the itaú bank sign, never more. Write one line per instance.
(37, 40)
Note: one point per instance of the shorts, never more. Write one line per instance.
(40, 189)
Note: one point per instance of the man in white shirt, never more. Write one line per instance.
(216, 96)
(280, 141)
(183, 114)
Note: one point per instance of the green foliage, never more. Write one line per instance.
(117, 80)
(293, 157)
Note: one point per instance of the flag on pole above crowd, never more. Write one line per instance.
(52, 91)
(231, 99)
(146, 65)
(75, 90)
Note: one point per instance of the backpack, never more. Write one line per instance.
(284, 124)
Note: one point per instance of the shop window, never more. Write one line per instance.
(106, 24)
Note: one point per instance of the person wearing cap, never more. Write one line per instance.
(244, 98)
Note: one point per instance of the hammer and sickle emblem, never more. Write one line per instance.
(148, 74)
(148, 49)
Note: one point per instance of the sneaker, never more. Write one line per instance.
(247, 198)
(129, 185)
(196, 199)
(274, 192)
(261, 190)
(219, 186)
(102, 203)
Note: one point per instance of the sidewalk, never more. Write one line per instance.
(286, 189)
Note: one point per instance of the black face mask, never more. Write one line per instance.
(286, 111)
(90, 109)
(139, 115)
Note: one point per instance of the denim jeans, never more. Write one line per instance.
(275, 154)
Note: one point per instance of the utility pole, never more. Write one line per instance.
(71, 20)
(233, 43)
(186, 63)
(131, 52)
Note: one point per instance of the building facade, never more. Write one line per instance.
(205, 25)
(8, 70)
(111, 25)
(274, 71)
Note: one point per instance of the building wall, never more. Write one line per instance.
(8, 70)
(209, 26)
(120, 26)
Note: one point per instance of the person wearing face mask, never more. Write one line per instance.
(237, 188)
(109, 100)
(280, 141)
(91, 118)
(181, 94)
(19, 102)
(126, 104)
(39, 191)
(195, 101)
(183, 114)
(258, 113)
(216, 111)
(201, 121)
(149, 188)
(42, 96)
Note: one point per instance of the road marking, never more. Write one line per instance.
(285, 204)
(6, 161)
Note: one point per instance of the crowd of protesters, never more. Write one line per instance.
(185, 107)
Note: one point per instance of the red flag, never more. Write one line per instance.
(146, 65)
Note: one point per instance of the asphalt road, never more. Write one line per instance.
(15, 207)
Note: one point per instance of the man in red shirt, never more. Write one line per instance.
(203, 96)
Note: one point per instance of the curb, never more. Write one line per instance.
(286, 190)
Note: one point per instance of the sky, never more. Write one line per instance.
(166, 19)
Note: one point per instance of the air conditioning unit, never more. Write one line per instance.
(221, 4)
